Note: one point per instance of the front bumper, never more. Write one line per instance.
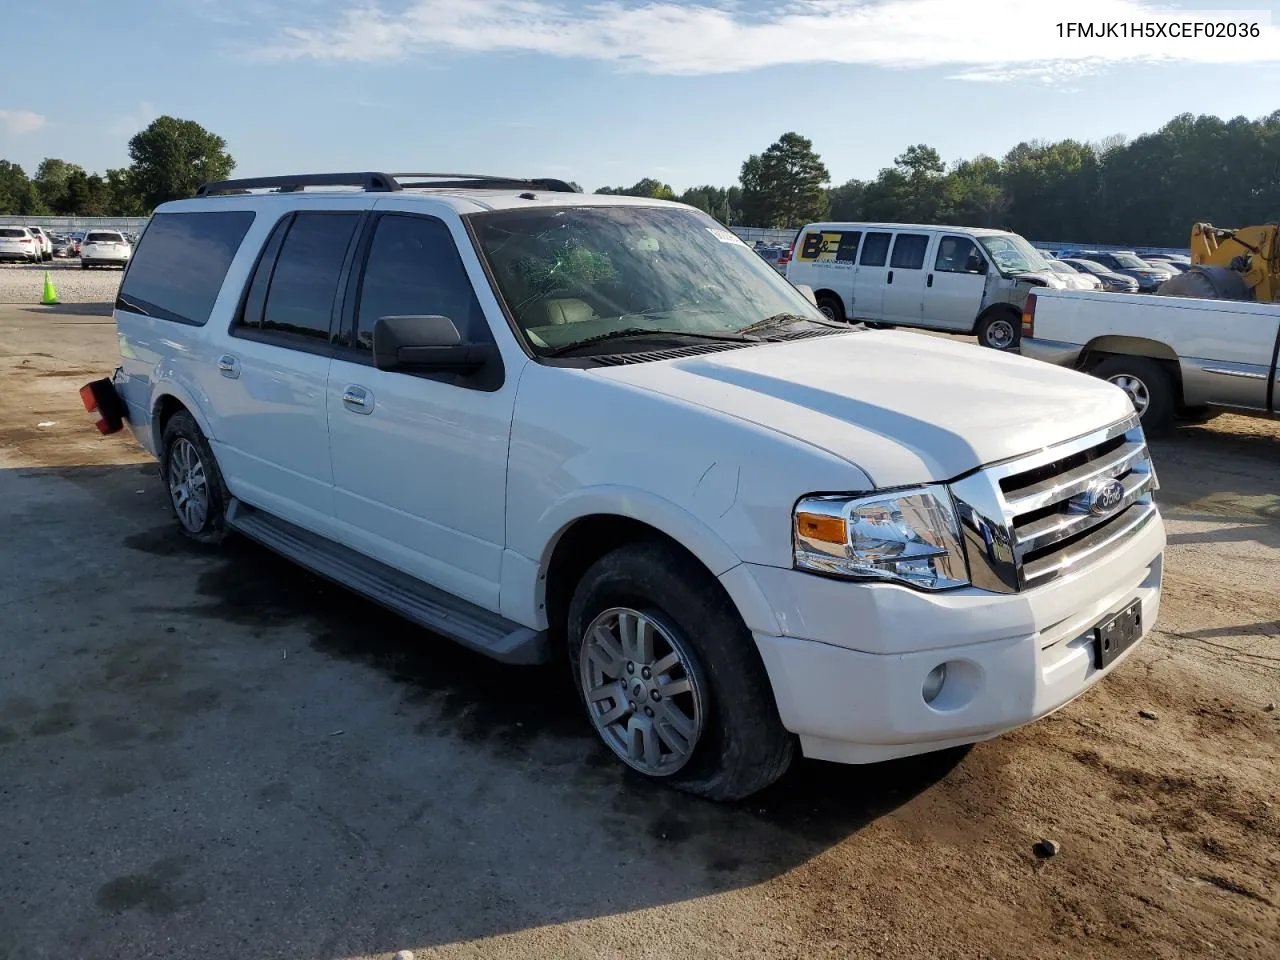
(847, 661)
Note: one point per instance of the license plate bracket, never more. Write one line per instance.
(1116, 634)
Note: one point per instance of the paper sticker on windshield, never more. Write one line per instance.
(724, 236)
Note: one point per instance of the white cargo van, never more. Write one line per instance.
(957, 279)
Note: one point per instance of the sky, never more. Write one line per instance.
(605, 92)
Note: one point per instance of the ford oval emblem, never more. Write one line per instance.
(1105, 497)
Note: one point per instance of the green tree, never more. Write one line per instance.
(172, 157)
(125, 201)
(921, 184)
(786, 185)
(647, 187)
(723, 204)
(51, 180)
(18, 194)
(975, 193)
(848, 201)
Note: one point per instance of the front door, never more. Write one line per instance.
(869, 279)
(954, 288)
(904, 283)
(419, 460)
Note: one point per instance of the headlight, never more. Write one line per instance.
(907, 536)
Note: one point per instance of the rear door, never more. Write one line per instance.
(905, 280)
(869, 279)
(954, 287)
(268, 383)
(420, 460)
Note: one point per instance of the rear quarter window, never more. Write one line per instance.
(180, 264)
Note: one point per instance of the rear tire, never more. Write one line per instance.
(1207, 283)
(735, 743)
(1000, 330)
(197, 493)
(1148, 384)
(832, 308)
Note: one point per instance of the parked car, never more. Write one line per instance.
(1110, 280)
(63, 247)
(46, 245)
(18, 243)
(776, 257)
(958, 279)
(104, 248)
(1075, 279)
(1173, 356)
(598, 428)
(1165, 263)
(1131, 265)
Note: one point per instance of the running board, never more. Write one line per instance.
(459, 620)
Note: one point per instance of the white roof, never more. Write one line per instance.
(942, 228)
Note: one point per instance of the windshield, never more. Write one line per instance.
(1012, 254)
(1130, 262)
(573, 274)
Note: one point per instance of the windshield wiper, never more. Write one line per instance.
(781, 320)
(629, 332)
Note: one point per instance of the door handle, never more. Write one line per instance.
(890, 280)
(357, 400)
(229, 366)
(929, 281)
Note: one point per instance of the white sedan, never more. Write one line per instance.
(103, 248)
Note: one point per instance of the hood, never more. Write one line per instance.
(1047, 278)
(903, 407)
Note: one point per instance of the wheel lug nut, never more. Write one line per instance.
(631, 667)
(648, 711)
(646, 673)
(655, 695)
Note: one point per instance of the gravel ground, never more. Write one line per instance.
(24, 283)
(208, 753)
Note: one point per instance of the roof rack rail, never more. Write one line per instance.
(372, 182)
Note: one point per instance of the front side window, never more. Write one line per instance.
(414, 269)
(570, 275)
(1012, 254)
(179, 267)
(957, 255)
(300, 297)
(908, 251)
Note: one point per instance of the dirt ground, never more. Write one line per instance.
(212, 754)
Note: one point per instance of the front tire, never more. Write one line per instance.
(1149, 386)
(670, 675)
(1001, 330)
(197, 493)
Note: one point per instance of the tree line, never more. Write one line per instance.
(170, 159)
(1146, 191)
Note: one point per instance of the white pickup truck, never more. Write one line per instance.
(1174, 356)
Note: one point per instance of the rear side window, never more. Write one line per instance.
(830, 245)
(300, 296)
(875, 249)
(180, 264)
(908, 251)
(10, 233)
(414, 270)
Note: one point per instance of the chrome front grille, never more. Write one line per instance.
(1030, 520)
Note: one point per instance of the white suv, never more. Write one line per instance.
(554, 425)
(104, 248)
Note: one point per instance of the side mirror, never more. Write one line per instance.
(976, 264)
(807, 291)
(426, 344)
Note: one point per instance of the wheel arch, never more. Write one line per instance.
(168, 399)
(1013, 311)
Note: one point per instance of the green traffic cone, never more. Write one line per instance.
(50, 295)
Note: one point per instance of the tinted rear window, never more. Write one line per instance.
(105, 238)
(9, 232)
(180, 264)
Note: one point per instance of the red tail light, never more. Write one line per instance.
(1029, 316)
(101, 400)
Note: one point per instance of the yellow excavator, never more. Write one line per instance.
(1240, 264)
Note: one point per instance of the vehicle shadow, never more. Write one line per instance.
(448, 797)
(102, 309)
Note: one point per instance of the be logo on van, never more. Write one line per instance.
(833, 247)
